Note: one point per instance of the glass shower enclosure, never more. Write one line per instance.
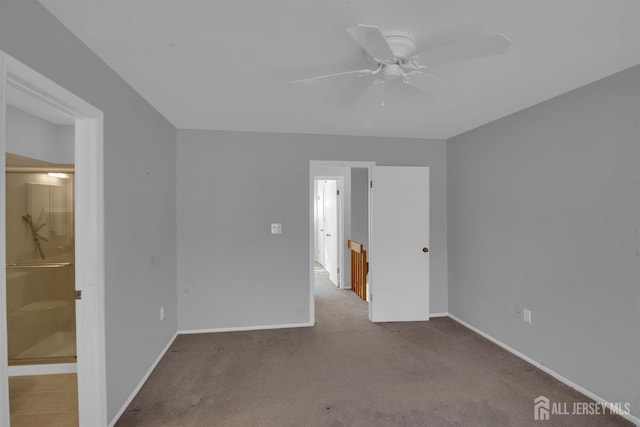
(40, 265)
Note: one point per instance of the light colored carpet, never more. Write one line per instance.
(346, 371)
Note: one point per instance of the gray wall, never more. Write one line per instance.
(140, 191)
(544, 213)
(233, 185)
(36, 138)
(360, 206)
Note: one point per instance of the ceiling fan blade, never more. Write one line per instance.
(492, 45)
(372, 40)
(311, 80)
(431, 84)
(373, 96)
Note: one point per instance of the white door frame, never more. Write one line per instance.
(89, 205)
(345, 220)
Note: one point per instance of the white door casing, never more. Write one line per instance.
(90, 311)
(399, 230)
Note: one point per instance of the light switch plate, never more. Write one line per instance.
(276, 228)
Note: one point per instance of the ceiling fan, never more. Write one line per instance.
(394, 57)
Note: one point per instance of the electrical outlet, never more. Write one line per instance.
(162, 313)
(276, 228)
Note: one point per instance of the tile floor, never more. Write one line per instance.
(44, 401)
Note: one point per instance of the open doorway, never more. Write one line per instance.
(332, 195)
(396, 286)
(40, 268)
(327, 225)
(60, 194)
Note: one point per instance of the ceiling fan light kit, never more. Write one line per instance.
(394, 54)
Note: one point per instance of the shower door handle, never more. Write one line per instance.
(15, 266)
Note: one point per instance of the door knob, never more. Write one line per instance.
(425, 249)
(328, 235)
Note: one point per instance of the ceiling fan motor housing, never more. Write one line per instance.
(392, 72)
(403, 46)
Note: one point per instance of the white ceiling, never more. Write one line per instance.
(225, 64)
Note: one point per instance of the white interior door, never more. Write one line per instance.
(399, 264)
(320, 229)
(318, 250)
(331, 229)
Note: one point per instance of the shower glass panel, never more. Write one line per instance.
(40, 267)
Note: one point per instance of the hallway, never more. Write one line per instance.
(332, 302)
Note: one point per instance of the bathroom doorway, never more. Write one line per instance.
(40, 262)
(62, 201)
(40, 289)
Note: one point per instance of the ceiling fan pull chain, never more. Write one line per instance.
(384, 84)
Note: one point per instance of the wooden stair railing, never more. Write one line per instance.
(359, 268)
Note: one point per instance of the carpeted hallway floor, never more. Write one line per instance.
(346, 371)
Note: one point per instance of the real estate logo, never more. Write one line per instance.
(541, 408)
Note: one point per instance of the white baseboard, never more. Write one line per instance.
(543, 368)
(515, 352)
(141, 383)
(51, 369)
(246, 328)
(438, 314)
